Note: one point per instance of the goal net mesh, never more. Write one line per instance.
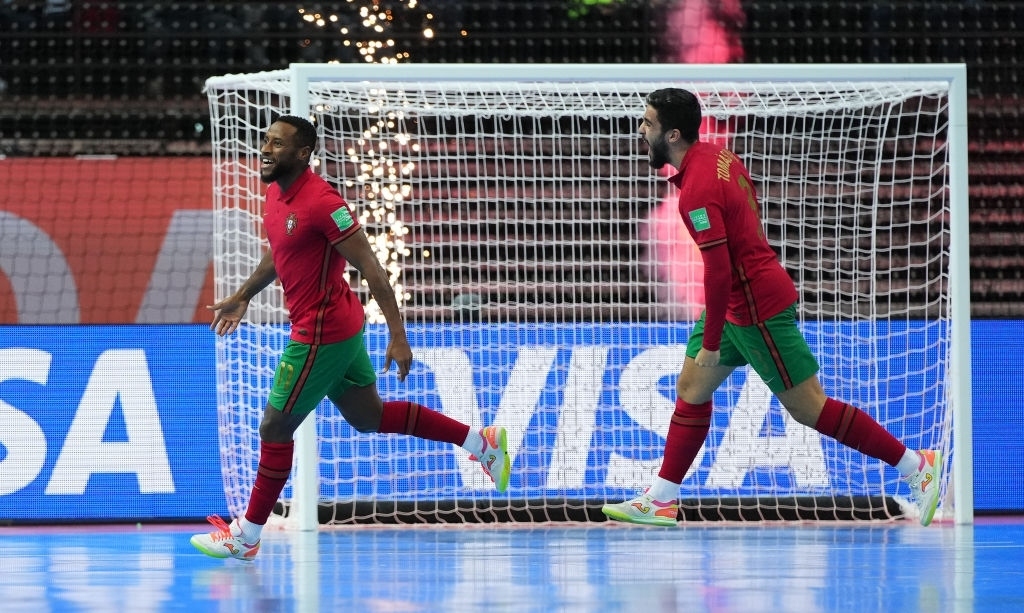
(549, 286)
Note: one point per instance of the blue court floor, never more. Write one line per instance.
(784, 567)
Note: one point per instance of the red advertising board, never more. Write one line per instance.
(118, 240)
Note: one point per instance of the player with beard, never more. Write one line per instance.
(312, 236)
(749, 318)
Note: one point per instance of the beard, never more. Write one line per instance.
(657, 155)
(276, 171)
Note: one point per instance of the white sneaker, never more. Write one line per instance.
(644, 510)
(924, 485)
(225, 542)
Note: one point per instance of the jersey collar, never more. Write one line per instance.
(677, 178)
(297, 185)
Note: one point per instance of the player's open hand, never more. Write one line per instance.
(400, 353)
(706, 358)
(227, 314)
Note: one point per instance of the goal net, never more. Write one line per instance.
(548, 285)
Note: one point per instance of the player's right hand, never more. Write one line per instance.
(227, 314)
(399, 353)
(706, 358)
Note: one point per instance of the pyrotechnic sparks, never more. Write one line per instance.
(381, 176)
(365, 25)
(384, 182)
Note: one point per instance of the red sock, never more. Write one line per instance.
(271, 475)
(855, 429)
(689, 427)
(403, 417)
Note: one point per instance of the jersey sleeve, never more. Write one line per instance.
(335, 218)
(717, 284)
(706, 222)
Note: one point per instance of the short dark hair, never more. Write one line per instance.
(305, 131)
(678, 109)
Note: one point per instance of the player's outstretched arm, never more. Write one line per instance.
(356, 249)
(228, 313)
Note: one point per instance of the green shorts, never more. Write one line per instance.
(775, 349)
(307, 374)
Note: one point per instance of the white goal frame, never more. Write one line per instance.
(305, 478)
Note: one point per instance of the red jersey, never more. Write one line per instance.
(743, 283)
(303, 225)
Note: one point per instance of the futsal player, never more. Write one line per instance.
(312, 235)
(749, 318)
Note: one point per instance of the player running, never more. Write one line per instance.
(749, 318)
(312, 234)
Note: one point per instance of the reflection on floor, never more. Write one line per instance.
(599, 567)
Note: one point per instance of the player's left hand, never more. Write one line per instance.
(400, 353)
(706, 358)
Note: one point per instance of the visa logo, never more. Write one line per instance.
(120, 378)
(583, 388)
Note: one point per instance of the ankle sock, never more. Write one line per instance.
(249, 531)
(664, 490)
(474, 442)
(910, 463)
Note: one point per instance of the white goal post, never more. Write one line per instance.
(547, 286)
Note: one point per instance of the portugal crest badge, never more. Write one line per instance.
(290, 223)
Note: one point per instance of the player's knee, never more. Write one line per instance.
(690, 393)
(275, 431)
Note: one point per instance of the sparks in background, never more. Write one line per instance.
(366, 26)
(381, 175)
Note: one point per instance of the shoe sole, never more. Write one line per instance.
(212, 554)
(218, 554)
(617, 515)
(929, 513)
(501, 483)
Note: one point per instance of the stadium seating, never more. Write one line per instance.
(126, 78)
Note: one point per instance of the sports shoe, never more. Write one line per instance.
(924, 485)
(494, 458)
(644, 510)
(224, 543)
